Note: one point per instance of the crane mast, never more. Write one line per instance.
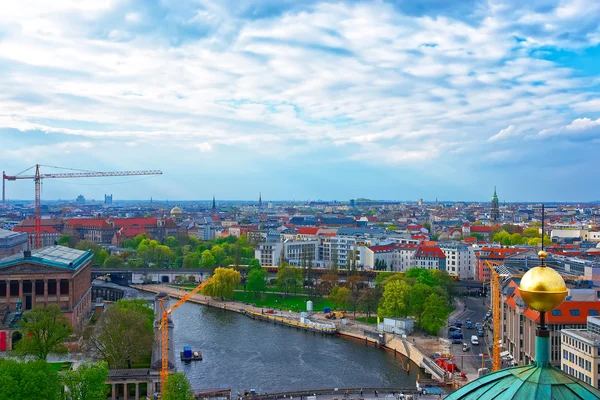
(164, 332)
(37, 178)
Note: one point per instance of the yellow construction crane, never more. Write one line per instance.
(163, 329)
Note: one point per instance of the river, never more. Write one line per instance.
(242, 353)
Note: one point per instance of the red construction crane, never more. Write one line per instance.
(37, 178)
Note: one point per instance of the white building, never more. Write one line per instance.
(268, 253)
(458, 260)
(580, 355)
(397, 257)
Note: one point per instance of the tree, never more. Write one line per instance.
(288, 279)
(45, 329)
(510, 228)
(254, 263)
(531, 233)
(434, 314)
(65, 240)
(87, 382)
(191, 260)
(417, 296)
(478, 236)
(121, 337)
(340, 296)
(393, 302)
(113, 262)
(368, 300)
(178, 388)
(222, 283)
(208, 260)
(171, 242)
(218, 253)
(87, 245)
(28, 380)
(255, 282)
(427, 226)
(140, 306)
(100, 257)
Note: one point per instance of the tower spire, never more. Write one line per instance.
(259, 200)
(214, 207)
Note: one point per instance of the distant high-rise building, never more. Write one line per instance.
(420, 202)
(259, 200)
(108, 198)
(214, 207)
(80, 199)
(352, 203)
(495, 212)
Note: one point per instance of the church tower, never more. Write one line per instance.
(495, 213)
(214, 207)
(259, 200)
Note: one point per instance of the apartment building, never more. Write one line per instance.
(458, 260)
(519, 322)
(294, 252)
(580, 356)
(429, 257)
(397, 257)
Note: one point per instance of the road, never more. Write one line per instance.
(471, 360)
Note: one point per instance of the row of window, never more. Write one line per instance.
(578, 374)
(582, 362)
(578, 344)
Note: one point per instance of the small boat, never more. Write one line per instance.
(188, 355)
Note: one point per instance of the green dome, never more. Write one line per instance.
(531, 382)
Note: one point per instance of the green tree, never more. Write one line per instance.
(392, 227)
(87, 245)
(122, 336)
(511, 229)
(191, 260)
(417, 296)
(393, 302)
(113, 262)
(100, 257)
(254, 263)
(139, 306)
(222, 283)
(531, 233)
(218, 253)
(256, 281)
(228, 261)
(478, 236)
(288, 279)
(65, 240)
(28, 381)
(87, 382)
(45, 329)
(208, 260)
(340, 296)
(368, 300)
(434, 314)
(178, 388)
(427, 226)
(171, 242)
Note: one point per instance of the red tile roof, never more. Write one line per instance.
(31, 229)
(497, 252)
(149, 222)
(308, 230)
(565, 316)
(131, 231)
(88, 223)
(44, 222)
(429, 251)
(480, 229)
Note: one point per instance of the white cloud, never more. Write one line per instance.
(581, 124)
(503, 134)
(377, 84)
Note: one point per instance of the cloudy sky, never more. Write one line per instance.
(304, 99)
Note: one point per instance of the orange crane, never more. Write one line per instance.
(163, 329)
(37, 178)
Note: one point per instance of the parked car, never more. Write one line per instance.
(469, 324)
(457, 341)
(474, 340)
(455, 335)
(458, 323)
(480, 333)
(466, 347)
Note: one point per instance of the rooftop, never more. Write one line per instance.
(4, 234)
(583, 334)
(53, 256)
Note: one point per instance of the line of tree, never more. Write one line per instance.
(529, 236)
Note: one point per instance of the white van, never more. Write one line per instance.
(474, 340)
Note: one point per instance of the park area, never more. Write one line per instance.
(273, 300)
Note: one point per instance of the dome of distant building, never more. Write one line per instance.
(176, 211)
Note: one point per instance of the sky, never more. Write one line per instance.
(304, 100)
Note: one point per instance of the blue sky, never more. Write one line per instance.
(304, 100)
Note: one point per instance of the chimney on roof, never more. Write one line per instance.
(27, 254)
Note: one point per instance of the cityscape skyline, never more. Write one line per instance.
(312, 100)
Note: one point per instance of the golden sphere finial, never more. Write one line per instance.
(542, 288)
(542, 255)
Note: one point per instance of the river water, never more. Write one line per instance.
(247, 354)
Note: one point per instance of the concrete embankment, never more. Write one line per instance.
(282, 318)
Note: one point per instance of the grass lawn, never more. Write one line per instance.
(270, 300)
(371, 320)
(60, 366)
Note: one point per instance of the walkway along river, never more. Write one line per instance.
(250, 354)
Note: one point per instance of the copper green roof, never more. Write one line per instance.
(531, 382)
(52, 256)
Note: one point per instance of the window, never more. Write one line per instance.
(557, 313)
(593, 313)
(575, 313)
